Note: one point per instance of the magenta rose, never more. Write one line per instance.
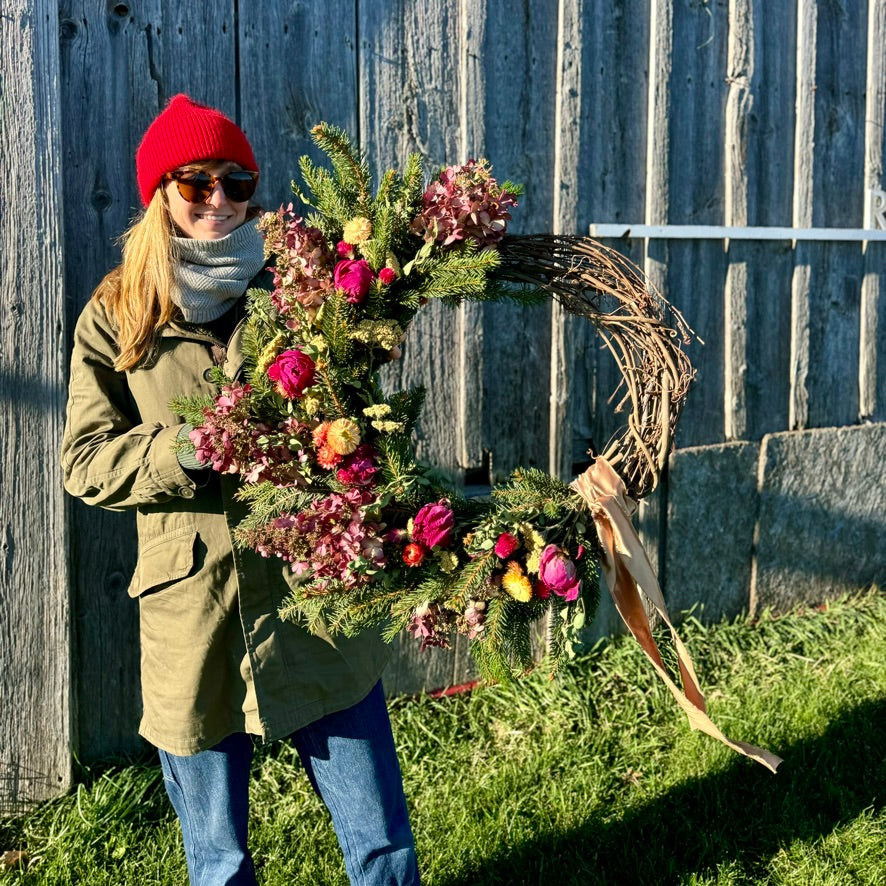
(353, 277)
(558, 573)
(358, 468)
(432, 525)
(293, 371)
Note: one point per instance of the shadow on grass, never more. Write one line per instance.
(741, 816)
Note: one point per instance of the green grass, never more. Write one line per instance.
(590, 778)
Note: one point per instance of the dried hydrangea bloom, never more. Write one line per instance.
(464, 203)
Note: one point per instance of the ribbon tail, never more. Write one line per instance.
(627, 570)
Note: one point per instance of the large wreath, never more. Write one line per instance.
(328, 472)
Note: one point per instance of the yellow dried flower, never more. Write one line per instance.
(377, 410)
(343, 436)
(385, 334)
(357, 230)
(534, 543)
(448, 561)
(392, 263)
(311, 404)
(515, 582)
(319, 344)
(389, 427)
(269, 354)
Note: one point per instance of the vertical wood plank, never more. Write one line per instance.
(872, 341)
(759, 175)
(318, 43)
(510, 119)
(120, 63)
(407, 58)
(695, 279)
(35, 640)
(828, 276)
(615, 91)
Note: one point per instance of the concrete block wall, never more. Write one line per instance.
(798, 517)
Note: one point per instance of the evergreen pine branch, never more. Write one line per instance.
(488, 649)
(411, 188)
(386, 189)
(531, 491)
(190, 408)
(335, 320)
(267, 501)
(458, 273)
(347, 160)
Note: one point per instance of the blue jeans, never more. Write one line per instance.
(352, 765)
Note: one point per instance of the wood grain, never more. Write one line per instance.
(35, 637)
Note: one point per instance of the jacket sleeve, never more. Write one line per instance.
(109, 456)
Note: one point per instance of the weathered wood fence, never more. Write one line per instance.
(664, 112)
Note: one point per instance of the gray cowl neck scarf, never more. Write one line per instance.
(210, 275)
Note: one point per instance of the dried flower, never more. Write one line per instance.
(344, 250)
(343, 436)
(303, 271)
(473, 620)
(413, 554)
(377, 410)
(448, 561)
(431, 623)
(386, 276)
(433, 524)
(293, 371)
(515, 582)
(464, 203)
(558, 573)
(506, 545)
(358, 468)
(378, 333)
(328, 458)
(353, 278)
(357, 230)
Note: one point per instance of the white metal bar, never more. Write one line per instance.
(722, 232)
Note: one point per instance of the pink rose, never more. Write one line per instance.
(432, 525)
(558, 573)
(506, 545)
(353, 277)
(387, 276)
(344, 250)
(294, 373)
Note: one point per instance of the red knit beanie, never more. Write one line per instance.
(183, 133)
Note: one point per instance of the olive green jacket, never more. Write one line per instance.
(215, 656)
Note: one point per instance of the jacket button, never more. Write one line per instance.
(186, 492)
(207, 374)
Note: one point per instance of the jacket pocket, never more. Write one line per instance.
(164, 559)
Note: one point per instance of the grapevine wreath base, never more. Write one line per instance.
(324, 457)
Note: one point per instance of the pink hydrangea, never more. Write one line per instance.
(432, 526)
(464, 203)
(431, 623)
(303, 271)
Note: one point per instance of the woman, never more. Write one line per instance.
(218, 666)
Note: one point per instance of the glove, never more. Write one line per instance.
(187, 457)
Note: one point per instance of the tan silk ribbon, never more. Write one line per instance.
(626, 566)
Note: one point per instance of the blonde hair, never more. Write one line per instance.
(137, 294)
